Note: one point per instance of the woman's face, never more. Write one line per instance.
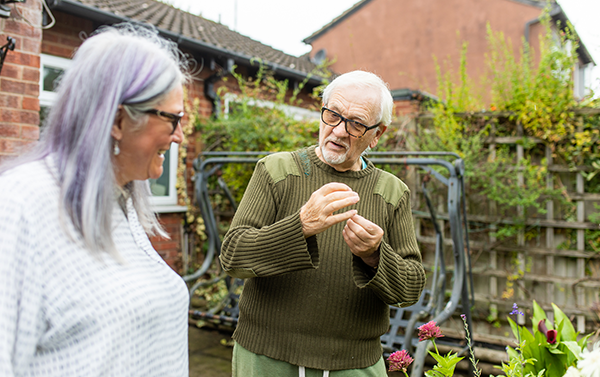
(143, 147)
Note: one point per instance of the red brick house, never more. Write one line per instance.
(398, 39)
(46, 37)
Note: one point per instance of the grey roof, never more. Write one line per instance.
(191, 31)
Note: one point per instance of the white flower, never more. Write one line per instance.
(589, 365)
(572, 372)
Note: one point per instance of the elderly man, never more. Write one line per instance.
(325, 242)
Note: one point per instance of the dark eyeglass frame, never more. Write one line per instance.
(346, 120)
(173, 118)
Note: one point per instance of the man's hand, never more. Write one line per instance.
(317, 214)
(363, 237)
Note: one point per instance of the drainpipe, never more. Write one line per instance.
(555, 11)
(528, 28)
(209, 86)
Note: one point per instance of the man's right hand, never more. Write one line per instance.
(317, 214)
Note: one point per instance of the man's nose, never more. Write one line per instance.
(340, 130)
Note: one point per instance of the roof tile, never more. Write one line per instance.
(177, 21)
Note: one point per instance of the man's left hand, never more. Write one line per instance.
(363, 237)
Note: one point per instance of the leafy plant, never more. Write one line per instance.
(544, 351)
(445, 364)
(532, 105)
(257, 121)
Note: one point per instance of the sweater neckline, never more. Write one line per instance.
(330, 170)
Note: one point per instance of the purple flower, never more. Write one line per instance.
(399, 360)
(550, 334)
(516, 310)
(429, 331)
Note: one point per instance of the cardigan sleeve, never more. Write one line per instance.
(259, 245)
(400, 277)
(21, 282)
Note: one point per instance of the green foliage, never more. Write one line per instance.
(445, 365)
(540, 353)
(532, 103)
(257, 121)
(592, 237)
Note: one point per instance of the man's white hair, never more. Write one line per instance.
(365, 79)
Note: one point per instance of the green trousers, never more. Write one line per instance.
(249, 364)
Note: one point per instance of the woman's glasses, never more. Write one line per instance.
(173, 118)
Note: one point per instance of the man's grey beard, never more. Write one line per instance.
(334, 158)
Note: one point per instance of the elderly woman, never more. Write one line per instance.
(82, 291)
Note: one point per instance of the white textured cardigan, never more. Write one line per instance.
(64, 312)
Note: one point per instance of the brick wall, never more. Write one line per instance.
(170, 249)
(406, 35)
(406, 107)
(66, 35)
(19, 80)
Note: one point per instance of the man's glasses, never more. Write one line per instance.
(173, 118)
(354, 128)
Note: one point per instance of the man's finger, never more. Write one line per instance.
(332, 187)
(363, 223)
(341, 202)
(334, 219)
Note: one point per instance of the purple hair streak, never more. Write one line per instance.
(125, 65)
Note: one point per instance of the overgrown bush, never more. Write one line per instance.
(529, 100)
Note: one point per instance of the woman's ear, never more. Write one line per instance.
(119, 123)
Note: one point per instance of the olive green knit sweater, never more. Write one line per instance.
(310, 301)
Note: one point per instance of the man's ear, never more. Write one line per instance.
(378, 134)
(119, 123)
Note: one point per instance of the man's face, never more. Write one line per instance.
(336, 147)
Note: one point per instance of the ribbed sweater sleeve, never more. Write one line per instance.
(259, 244)
(400, 276)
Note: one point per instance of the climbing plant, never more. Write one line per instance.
(529, 99)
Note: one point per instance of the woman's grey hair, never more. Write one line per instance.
(365, 79)
(128, 65)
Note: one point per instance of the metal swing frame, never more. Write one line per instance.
(432, 305)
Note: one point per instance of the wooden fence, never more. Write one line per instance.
(548, 261)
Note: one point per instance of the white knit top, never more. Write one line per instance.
(65, 312)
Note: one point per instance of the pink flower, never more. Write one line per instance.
(429, 331)
(399, 360)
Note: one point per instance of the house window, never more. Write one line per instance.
(298, 113)
(582, 79)
(164, 194)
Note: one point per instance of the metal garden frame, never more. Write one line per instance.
(432, 305)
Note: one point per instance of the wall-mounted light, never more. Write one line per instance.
(4, 10)
(10, 45)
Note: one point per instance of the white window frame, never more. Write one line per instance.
(298, 113)
(47, 98)
(582, 75)
(163, 204)
(160, 204)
